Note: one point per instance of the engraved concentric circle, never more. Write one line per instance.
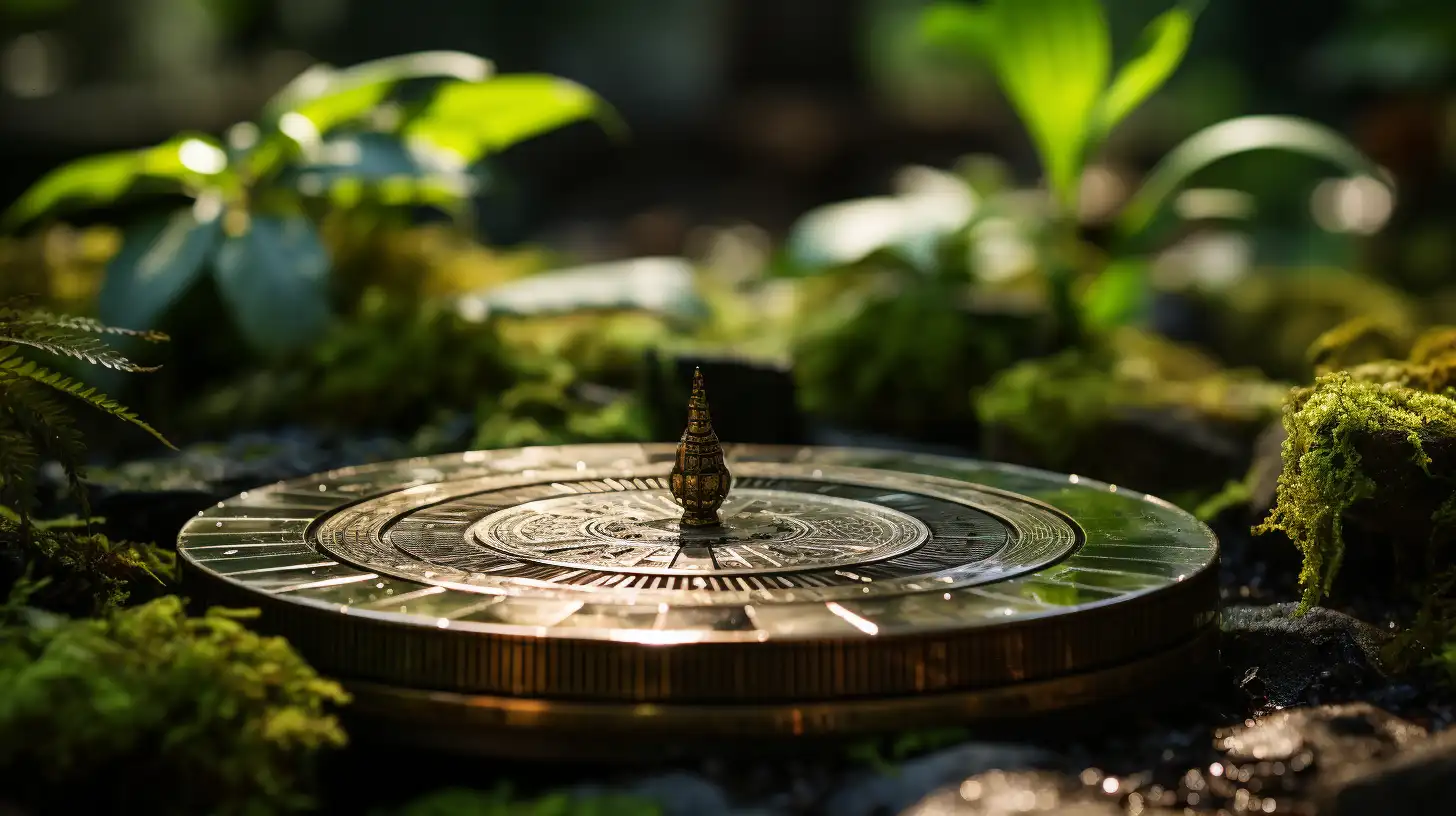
(831, 534)
(762, 531)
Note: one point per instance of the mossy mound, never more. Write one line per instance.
(903, 363)
(1270, 319)
(81, 572)
(148, 710)
(1115, 411)
(1377, 457)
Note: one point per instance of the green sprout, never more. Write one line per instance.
(1053, 60)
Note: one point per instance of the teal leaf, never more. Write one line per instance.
(473, 119)
(274, 279)
(1052, 59)
(156, 264)
(1163, 45)
(1232, 137)
(187, 162)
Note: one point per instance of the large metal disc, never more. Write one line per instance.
(545, 592)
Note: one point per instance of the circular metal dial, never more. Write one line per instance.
(561, 573)
(638, 531)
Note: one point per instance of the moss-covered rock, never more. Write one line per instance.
(1134, 410)
(148, 710)
(1271, 319)
(903, 362)
(1374, 457)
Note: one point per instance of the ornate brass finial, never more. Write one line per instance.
(699, 479)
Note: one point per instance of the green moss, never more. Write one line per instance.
(394, 366)
(148, 709)
(903, 363)
(1051, 404)
(465, 802)
(1433, 343)
(546, 412)
(1332, 427)
(1359, 340)
(1273, 316)
(84, 573)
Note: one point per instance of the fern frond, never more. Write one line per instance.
(69, 342)
(51, 430)
(18, 458)
(15, 367)
(92, 326)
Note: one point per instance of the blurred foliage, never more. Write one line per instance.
(356, 139)
(1271, 321)
(892, 344)
(34, 423)
(79, 572)
(394, 365)
(1052, 59)
(1051, 405)
(416, 367)
(149, 710)
(501, 802)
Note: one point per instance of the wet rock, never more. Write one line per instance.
(903, 785)
(1001, 793)
(1319, 755)
(1282, 659)
(1421, 779)
(150, 499)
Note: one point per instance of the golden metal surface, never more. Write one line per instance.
(849, 587)
(699, 479)
(523, 727)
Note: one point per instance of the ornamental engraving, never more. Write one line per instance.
(761, 531)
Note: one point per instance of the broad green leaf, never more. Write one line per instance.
(473, 119)
(156, 264)
(1117, 297)
(360, 87)
(1052, 59)
(187, 160)
(1232, 137)
(1164, 42)
(274, 279)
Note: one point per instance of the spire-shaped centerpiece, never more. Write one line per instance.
(699, 479)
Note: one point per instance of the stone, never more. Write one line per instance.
(1421, 779)
(1284, 659)
(148, 500)
(1344, 759)
(1002, 793)
(905, 784)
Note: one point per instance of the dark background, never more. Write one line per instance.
(741, 110)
